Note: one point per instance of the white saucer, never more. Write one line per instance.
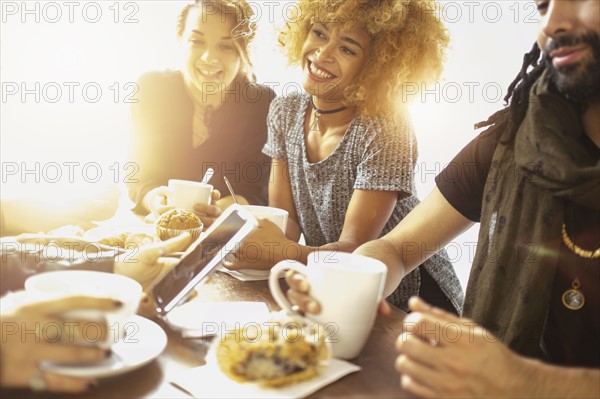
(255, 273)
(246, 274)
(144, 341)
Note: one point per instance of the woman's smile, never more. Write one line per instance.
(318, 73)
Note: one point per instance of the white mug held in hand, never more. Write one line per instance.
(349, 288)
(182, 194)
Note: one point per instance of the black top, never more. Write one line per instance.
(570, 337)
(163, 130)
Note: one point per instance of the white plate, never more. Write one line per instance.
(144, 341)
(200, 319)
(246, 274)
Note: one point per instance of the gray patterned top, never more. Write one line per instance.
(372, 155)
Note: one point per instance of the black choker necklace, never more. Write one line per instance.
(323, 112)
(318, 112)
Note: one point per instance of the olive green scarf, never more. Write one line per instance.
(529, 182)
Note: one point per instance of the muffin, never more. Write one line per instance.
(177, 221)
(274, 356)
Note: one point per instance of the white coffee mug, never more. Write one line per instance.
(95, 284)
(183, 194)
(275, 215)
(348, 287)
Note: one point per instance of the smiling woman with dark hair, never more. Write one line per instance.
(209, 114)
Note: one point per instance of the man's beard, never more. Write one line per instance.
(579, 83)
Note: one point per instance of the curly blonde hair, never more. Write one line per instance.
(408, 46)
(244, 29)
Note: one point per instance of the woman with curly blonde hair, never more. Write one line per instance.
(344, 150)
(407, 46)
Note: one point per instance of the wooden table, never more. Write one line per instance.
(376, 379)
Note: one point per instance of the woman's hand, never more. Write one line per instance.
(262, 249)
(441, 355)
(209, 213)
(38, 331)
(154, 201)
(148, 264)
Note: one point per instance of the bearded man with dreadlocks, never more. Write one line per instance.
(532, 180)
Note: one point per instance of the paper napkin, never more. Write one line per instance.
(209, 382)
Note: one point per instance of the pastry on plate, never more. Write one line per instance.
(114, 241)
(133, 240)
(127, 240)
(273, 355)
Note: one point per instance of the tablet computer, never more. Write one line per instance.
(203, 257)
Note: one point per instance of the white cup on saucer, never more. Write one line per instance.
(275, 215)
(349, 288)
(95, 284)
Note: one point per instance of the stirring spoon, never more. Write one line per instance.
(209, 173)
(230, 189)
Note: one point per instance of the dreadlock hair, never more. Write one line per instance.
(517, 97)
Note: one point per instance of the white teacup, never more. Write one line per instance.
(349, 288)
(95, 284)
(275, 215)
(183, 194)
